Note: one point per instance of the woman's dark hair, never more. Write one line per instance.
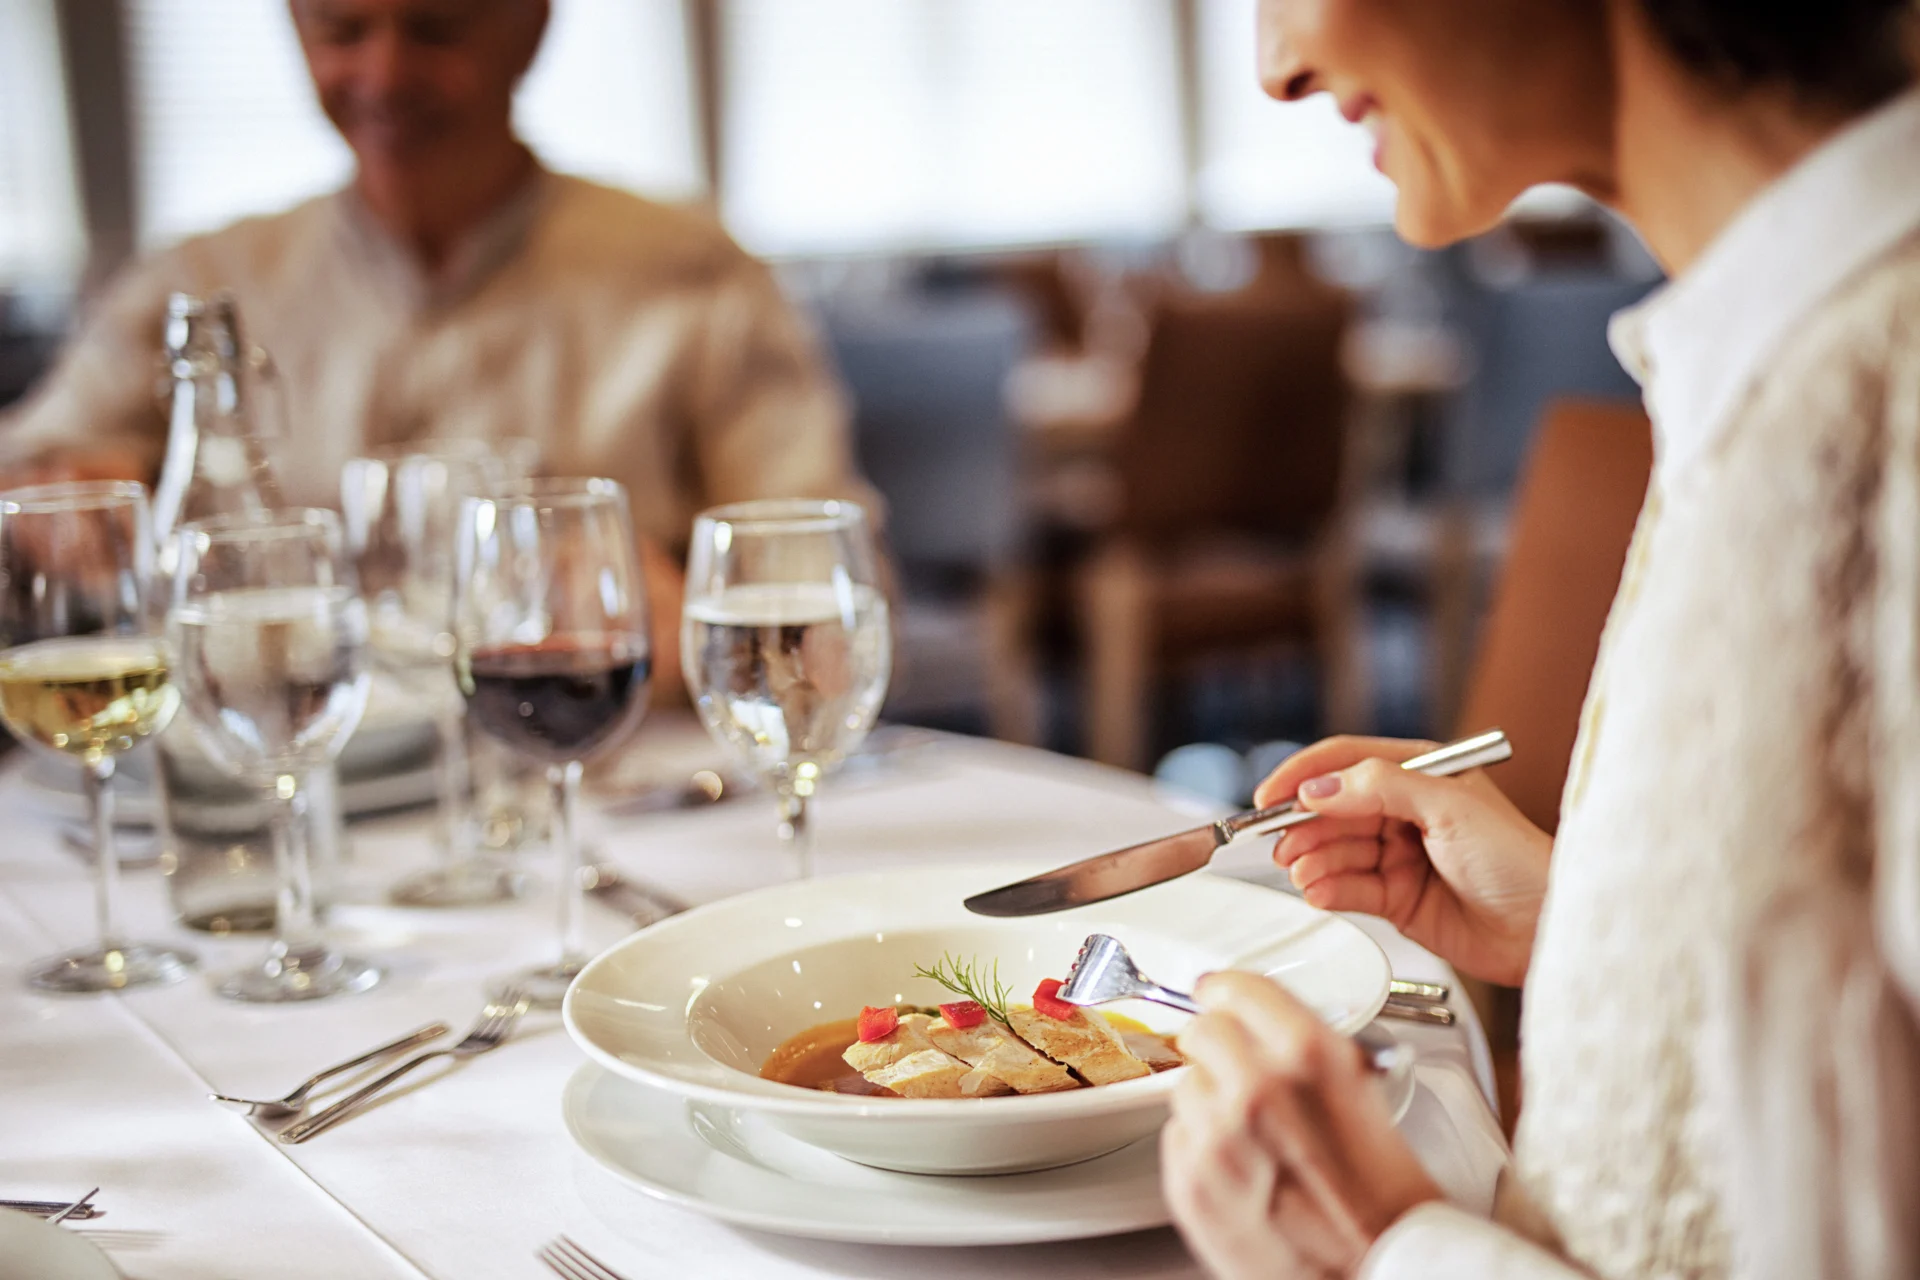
(1852, 53)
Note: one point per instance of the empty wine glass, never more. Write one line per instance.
(270, 640)
(82, 674)
(401, 506)
(785, 643)
(553, 656)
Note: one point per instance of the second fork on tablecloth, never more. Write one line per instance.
(495, 1024)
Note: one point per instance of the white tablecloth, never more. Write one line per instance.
(468, 1172)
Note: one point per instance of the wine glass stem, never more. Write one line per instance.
(98, 773)
(796, 836)
(293, 915)
(566, 841)
(450, 776)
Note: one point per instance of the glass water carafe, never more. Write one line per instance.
(216, 846)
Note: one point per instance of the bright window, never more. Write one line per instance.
(41, 235)
(1265, 164)
(611, 97)
(227, 125)
(913, 124)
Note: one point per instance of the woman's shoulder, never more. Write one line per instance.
(1873, 319)
(1848, 366)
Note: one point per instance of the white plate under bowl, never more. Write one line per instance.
(741, 1169)
(32, 1249)
(694, 1004)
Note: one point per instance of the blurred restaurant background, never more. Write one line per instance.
(1179, 443)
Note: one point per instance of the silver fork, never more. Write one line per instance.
(567, 1259)
(84, 1202)
(1103, 972)
(495, 1024)
(270, 1108)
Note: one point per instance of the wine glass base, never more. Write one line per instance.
(133, 964)
(472, 882)
(545, 987)
(307, 974)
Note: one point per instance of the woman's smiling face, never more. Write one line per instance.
(1470, 102)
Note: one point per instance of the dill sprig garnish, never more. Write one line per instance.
(970, 980)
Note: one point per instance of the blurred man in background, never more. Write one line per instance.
(457, 289)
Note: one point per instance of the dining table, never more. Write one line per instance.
(468, 1169)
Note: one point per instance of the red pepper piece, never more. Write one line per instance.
(962, 1014)
(877, 1024)
(1046, 1000)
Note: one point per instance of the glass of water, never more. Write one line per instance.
(401, 508)
(785, 643)
(269, 639)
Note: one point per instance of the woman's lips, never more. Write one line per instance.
(1356, 110)
(1377, 129)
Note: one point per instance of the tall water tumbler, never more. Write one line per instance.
(401, 508)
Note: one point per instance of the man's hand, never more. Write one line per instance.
(1281, 1160)
(78, 464)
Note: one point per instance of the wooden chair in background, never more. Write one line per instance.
(1573, 517)
(1227, 537)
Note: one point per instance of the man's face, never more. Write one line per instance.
(406, 81)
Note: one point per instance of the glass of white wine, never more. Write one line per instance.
(269, 638)
(82, 674)
(785, 643)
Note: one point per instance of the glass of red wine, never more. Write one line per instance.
(550, 625)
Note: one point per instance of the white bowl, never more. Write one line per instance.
(694, 1004)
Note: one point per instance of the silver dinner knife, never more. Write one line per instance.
(74, 1211)
(1142, 865)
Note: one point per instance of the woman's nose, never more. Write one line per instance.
(1282, 72)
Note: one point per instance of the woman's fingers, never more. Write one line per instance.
(1227, 1065)
(1213, 1107)
(1279, 1161)
(1380, 789)
(1305, 1063)
(1366, 893)
(1284, 1035)
(1330, 755)
(1336, 859)
(1299, 840)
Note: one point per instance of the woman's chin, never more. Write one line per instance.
(1426, 225)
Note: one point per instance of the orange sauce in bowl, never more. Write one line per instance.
(812, 1060)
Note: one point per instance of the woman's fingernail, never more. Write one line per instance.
(1327, 784)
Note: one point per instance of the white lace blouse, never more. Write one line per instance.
(1721, 1044)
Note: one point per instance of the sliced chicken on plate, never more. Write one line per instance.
(997, 1052)
(1088, 1044)
(906, 1062)
(933, 1074)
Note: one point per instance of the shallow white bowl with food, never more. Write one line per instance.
(695, 1005)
